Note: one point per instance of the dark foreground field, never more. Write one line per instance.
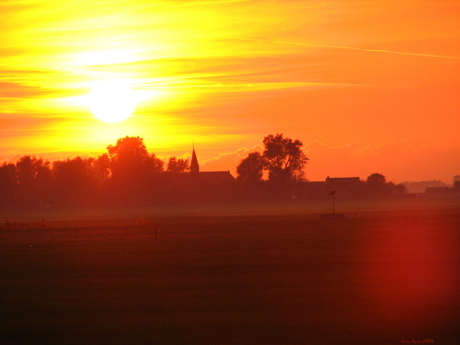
(378, 277)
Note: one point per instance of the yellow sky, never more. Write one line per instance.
(351, 79)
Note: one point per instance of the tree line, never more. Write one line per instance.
(128, 175)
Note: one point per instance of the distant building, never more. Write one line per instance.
(343, 186)
(210, 177)
(194, 166)
(313, 189)
(346, 186)
(439, 191)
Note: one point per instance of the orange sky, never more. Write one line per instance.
(368, 86)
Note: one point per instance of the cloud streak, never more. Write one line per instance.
(343, 47)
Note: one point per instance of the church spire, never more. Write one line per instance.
(194, 166)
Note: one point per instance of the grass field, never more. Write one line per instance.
(387, 274)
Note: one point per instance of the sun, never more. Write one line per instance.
(112, 100)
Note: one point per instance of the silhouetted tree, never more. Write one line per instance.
(154, 164)
(128, 158)
(250, 168)
(401, 188)
(284, 158)
(102, 166)
(178, 165)
(377, 185)
(33, 180)
(376, 179)
(7, 184)
(457, 185)
(73, 181)
(390, 188)
(134, 172)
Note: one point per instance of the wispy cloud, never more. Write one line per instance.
(343, 47)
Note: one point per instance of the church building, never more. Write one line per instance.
(211, 177)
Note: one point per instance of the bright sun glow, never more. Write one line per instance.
(112, 100)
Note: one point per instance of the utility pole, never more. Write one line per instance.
(333, 215)
(333, 201)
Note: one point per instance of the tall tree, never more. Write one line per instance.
(73, 181)
(377, 185)
(33, 180)
(284, 158)
(177, 165)
(128, 158)
(154, 164)
(456, 183)
(101, 166)
(250, 168)
(7, 184)
(376, 179)
(401, 188)
(134, 177)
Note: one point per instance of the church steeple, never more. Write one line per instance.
(194, 166)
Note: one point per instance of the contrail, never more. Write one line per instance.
(343, 47)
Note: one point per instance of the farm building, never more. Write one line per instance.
(344, 186)
(440, 191)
